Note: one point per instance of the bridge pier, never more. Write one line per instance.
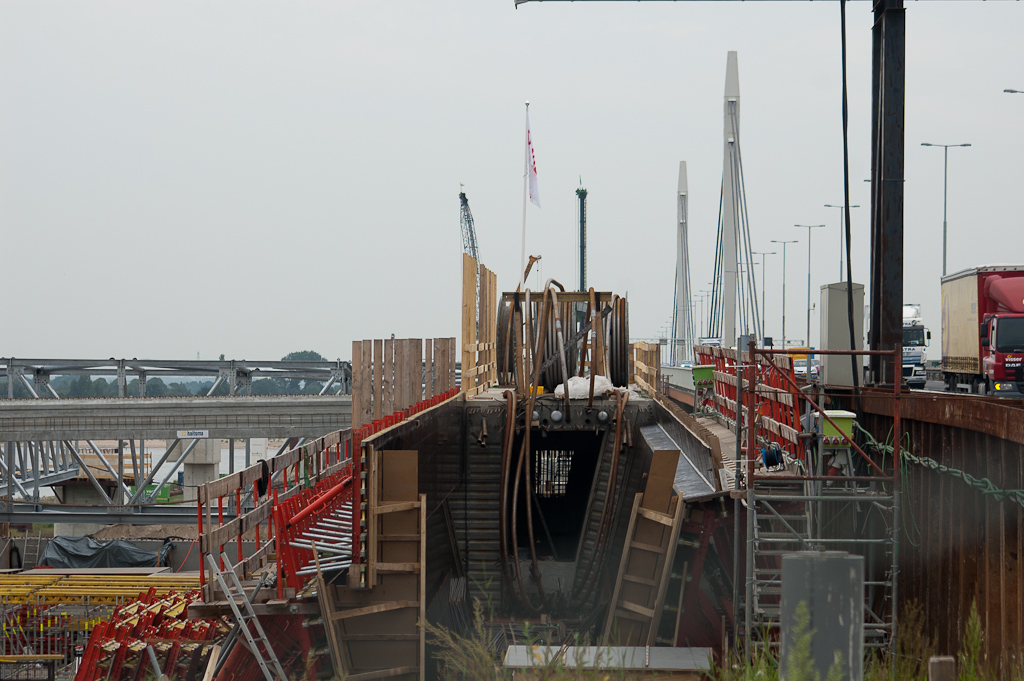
(74, 493)
(201, 466)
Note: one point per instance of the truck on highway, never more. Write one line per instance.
(983, 330)
(916, 338)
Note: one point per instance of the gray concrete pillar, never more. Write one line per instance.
(79, 495)
(258, 448)
(825, 589)
(201, 466)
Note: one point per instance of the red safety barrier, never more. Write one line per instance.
(766, 373)
(301, 513)
(296, 510)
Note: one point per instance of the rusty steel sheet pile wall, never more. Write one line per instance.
(960, 544)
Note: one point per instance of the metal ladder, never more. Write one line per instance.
(228, 582)
(31, 549)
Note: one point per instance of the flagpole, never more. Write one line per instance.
(526, 173)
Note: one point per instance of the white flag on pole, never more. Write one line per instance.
(531, 160)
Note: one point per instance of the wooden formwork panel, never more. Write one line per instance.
(374, 632)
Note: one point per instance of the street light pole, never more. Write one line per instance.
(842, 235)
(704, 294)
(763, 263)
(945, 184)
(784, 287)
(809, 228)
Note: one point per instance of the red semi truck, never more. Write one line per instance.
(983, 330)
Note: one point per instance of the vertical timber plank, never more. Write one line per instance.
(452, 350)
(357, 384)
(389, 376)
(409, 359)
(441, 370)
(468, 321)
(417, 371)
(492, 324)
(428, 369)
(399, 374)
(367, 389)
(481, 326)
(423, 583)
(378, 378)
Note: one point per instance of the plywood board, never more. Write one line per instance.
(379, 627)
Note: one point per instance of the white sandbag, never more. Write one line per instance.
(579, 387)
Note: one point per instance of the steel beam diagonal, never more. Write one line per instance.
(88, 473)
(110, 469)
(174, 468)
(140, 489)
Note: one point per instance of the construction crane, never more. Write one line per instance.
(468, 229)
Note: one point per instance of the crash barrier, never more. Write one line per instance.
(777, 408)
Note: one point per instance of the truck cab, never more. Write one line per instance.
(1002, 340)
(916, 338)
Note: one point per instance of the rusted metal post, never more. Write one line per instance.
(887, 160)
(737, 572)
(897, 486)
(199, 538)
(748, 606)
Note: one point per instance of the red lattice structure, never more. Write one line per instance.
(777, 407)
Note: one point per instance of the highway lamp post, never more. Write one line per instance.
(945, 184)
(1014, 92)
(842, 235)
(764, 258)
(704, 293)
(807, 340)
(694, 307)
(784, 243)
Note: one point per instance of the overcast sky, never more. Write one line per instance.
(253, 178)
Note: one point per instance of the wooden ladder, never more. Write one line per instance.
(646, 565)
